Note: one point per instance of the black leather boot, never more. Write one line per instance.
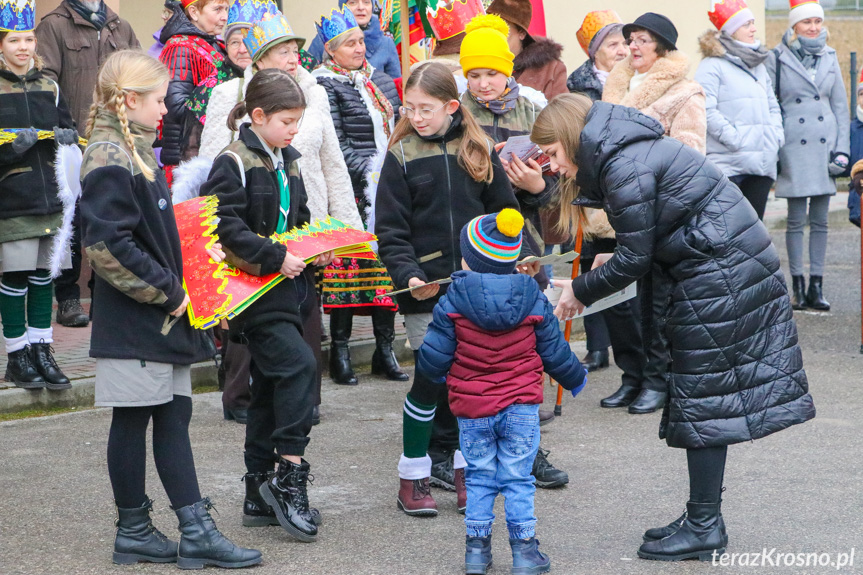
(341, 372)
(286, 493)
(648, 401)
(256, 512)
(798, 292)
(71, 314)
(202, 544)
(384, 360)
(547, 476)
(700, 536)
(662, 532)
(595, 360)
(46, 365)
(138, 540)
(815, 295)
(21, 371)
(622, 397)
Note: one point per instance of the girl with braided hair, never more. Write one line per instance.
(143, 370)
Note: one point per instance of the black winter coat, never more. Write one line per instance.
(583, 80)
(27, 181)
(248, 216)
(354, 124)
(181, 130)
(424, 199)
(736, 369)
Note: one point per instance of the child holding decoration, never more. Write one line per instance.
(143, 370)
(441, 171)
(31, 211)
(492, 336)
(261, 192)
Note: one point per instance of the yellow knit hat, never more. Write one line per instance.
(485, 45)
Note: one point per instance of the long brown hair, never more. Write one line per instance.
(562, 122)
(272, 90)
(436, 81)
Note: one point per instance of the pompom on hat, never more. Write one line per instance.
(730, 15)
(491, 244)
(596, 26)
(485, 45)
(803, 10)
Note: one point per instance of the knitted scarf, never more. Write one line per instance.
(752, 56)
(505, 102)
(807, 50)
(361, 78)
(97, 17)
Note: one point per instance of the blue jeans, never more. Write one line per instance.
(499, 451)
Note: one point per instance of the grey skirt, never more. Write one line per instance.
(28, 255)
(137, 383)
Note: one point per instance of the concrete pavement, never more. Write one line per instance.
(797, 491)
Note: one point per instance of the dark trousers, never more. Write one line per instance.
(66, 284)
(658, 358)
(311, 312)
(756, 189)
(236, 361)
(444, 437)
(283, 380)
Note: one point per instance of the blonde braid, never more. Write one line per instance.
(94, 110)
(120, 106)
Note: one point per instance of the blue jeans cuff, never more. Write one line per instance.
(522, 530)
(478, 528)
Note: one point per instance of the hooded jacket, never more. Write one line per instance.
(539, 66)
(492, 337)
(424, 199)
(744, 121)
(380, 49)
(29, 205)
(189, 55)
(130, 236)
(736, 371)
(665, 95)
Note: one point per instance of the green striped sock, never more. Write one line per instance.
(13, 298)
(417, 427)
(40, 299)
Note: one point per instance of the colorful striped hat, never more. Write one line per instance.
(491, 244)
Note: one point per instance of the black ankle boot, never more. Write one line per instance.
(815, 295)
(21, 371)
(256, 512)
(286, 493)
(700, 536)
(622, 397)
(43, 361)
(341, 372)
(384, 360)
(798, 292)
(662, 532)
(202, 544)
(595, 360)
(138, 540)
(648, 401)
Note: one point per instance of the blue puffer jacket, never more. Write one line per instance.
(492, 337)
(380, 50)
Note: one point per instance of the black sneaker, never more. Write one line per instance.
(547, 476)
(443, 475)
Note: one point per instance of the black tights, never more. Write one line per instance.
(172, 450)
(706, 472)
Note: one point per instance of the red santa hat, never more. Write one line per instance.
(187, 3)
(803, 9)
(730, 15)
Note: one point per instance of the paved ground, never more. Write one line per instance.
(798, 491)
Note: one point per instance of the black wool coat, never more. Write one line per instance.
(736, 369)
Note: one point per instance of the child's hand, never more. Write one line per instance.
(429, 291)
(292, 266)
(568, 306)
(530, 268)
(499, 147)
(523, 176)
(600, 260)
(216, 254)
(324, 260)
(182, 309)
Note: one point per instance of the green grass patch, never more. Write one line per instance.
(205, 389)
(30, 413)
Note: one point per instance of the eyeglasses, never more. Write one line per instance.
(410, 113)
(639, 42)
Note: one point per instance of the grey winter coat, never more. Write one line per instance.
(744, 121)
(736, 371)
(816, 123)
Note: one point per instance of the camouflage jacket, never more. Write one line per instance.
(130, 236)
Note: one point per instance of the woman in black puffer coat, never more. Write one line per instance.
(364, 104)
(736, 370)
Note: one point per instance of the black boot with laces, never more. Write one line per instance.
(202, 544)
(46, 365)
(287, 494)
(547, 475)
(138, 540)
(21, 371)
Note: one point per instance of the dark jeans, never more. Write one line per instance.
(756, 189)
(236, 361)
(658, 358)
(283, 379)
(66, 284)
(311, 312)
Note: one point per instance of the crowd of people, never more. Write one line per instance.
(664, 177)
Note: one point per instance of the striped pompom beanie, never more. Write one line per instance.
(491, 244)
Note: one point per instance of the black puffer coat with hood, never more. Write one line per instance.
(737, 370)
